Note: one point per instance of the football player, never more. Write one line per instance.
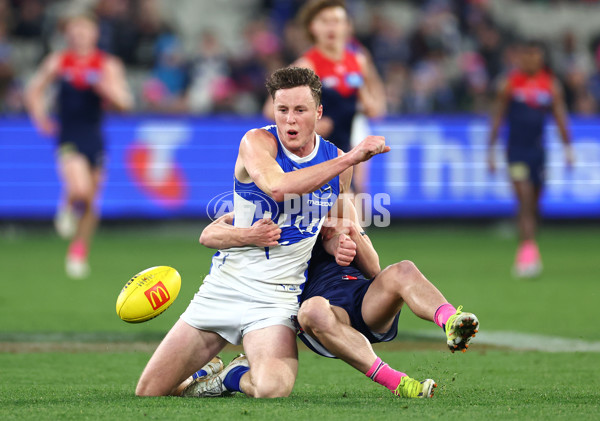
(87, 80)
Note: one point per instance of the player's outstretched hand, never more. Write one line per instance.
(264, 233)
(369, 147)
(345, 250)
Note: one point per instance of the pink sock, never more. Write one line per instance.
(443, 313)
(78, 249)
(383, 374)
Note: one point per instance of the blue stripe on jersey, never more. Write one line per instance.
(298, 218)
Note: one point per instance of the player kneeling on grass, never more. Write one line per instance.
(349, 303)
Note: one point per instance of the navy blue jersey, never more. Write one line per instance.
(79, 107)
(530, 101)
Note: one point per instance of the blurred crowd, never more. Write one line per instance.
(447, 62)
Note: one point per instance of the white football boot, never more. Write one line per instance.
(65, 221)
(212, 386)
(214, 366)
(77, 267)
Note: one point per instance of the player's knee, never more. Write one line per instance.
(405, 269)
(315, 315)
(143, 388)
(80, 194)
(151, 386)
(405, 272)
(273, 389)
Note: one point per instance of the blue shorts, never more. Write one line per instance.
(527, 166)
(348, 293)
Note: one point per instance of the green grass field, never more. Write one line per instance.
(64, 353)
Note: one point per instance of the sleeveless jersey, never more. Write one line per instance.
(79, 106)
(341, 81)
(530, 102)
(278, 273)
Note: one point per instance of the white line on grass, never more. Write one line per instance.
(528, 341)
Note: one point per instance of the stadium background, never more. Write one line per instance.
(197, 70)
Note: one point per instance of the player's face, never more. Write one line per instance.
(532, 59)
(296, 115)
(330, 26)
(82, 34)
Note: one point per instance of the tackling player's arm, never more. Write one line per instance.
(221, 234)
(35, 91)
(256, 161)
(559, 110)
(343, 236)
(113, 85)
(498, 113)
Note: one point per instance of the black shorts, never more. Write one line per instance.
(527, 166)
(347, 294)
(89, 144)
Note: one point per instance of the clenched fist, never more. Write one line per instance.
(369, 147)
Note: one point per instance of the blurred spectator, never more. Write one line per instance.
(387, 43)
(29, 19)
(595, 80)
(430, 89)
(6, 67)
(447, 59)
(165, 90)
(261, 55)
(150, 27)
(117, 34)
(211, 87)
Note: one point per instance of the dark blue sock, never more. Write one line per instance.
(199, 373)
(232, 379)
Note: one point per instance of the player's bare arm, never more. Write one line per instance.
(498, 113)
(113, 85)
(256, 162)
(35, 91)
(221, 234)
(372, 93)
(559, 111)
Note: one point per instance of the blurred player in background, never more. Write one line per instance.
(87, 79)
(287, 173)
(350, 81)
(525, 98)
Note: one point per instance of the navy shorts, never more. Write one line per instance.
(527, 166)
(347, 293)
(89, 144)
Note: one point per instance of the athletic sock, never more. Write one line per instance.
(442, 314)
(383, 374)
(199, 373)
(78, 249)
(232, 379)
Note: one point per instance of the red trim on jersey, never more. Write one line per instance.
(345, 75)
(534, 90)
(81, 71)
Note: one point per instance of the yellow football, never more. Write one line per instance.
(148, 294)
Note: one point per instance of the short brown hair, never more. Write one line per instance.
(312, 9)
(292, 77)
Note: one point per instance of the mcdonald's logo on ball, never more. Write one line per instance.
(148, 293)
